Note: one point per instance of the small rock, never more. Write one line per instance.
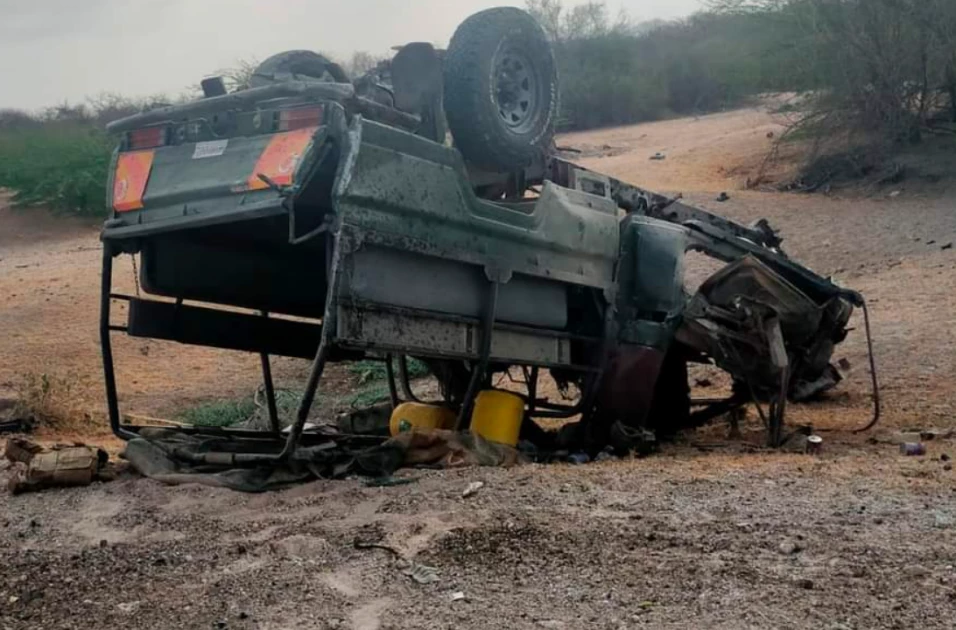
(220, 624)
(908, 437)
(578, 458)
(243, 615)
(128, 607)
(804, 583)
(915, 571)
(13, 599)
(658, 156)
(788, 548)
(947, 467)
(943, 521)
(947, 246)
(472, 489)
(895, 194)
(722, 197)
(944, 457)
(103, 543)
(457, 597)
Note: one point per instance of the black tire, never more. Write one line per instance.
(501, 89)
(297, 64)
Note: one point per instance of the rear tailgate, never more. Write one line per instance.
(193, 184)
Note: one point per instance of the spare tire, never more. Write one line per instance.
(297, 65)
(501, 89)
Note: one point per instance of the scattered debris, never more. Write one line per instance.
(472, 489)
(814, 445)
(804, 583)
(947, 246)
(907, 436)
(927, 435)
(798, 441)
(373, 420)
(942, 520)
(578, 458)
(913, 449)
(789, 547)
(388, 482)
(722, 197)
(36, 467)
(421, 573)
(457, 596)
(832, 376)
(13, 419)
(915, 571)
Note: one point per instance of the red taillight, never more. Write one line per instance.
(147, 138)
(292, 119)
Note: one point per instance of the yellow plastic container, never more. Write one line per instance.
(412, 415)
(497, 416)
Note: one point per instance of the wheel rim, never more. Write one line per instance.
(516, 90)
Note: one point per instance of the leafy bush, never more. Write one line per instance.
(220, 413)
(62, 166)
(59, 158)
(371, 371)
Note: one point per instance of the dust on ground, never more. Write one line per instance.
(711, 533)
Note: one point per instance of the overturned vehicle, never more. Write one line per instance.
(422, 211)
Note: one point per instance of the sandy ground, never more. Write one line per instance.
(709, 534)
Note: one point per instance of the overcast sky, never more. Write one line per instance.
(56, 50)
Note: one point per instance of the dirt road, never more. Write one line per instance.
(710, 534)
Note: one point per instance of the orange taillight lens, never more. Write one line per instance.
(299, 118)
(148, 138)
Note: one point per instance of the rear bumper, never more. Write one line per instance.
(122, 228)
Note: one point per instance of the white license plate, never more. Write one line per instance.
(213, 148)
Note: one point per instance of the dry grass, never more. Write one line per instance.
(52, 403)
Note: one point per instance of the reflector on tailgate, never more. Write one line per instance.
(279, 160)
(129, 183)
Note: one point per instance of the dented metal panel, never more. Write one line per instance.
(418, 334)
(406, 192)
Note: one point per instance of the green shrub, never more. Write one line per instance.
(372, 371)
(59, 165)
(219, 413)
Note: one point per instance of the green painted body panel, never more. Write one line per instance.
(183, 192)
(402, 191)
